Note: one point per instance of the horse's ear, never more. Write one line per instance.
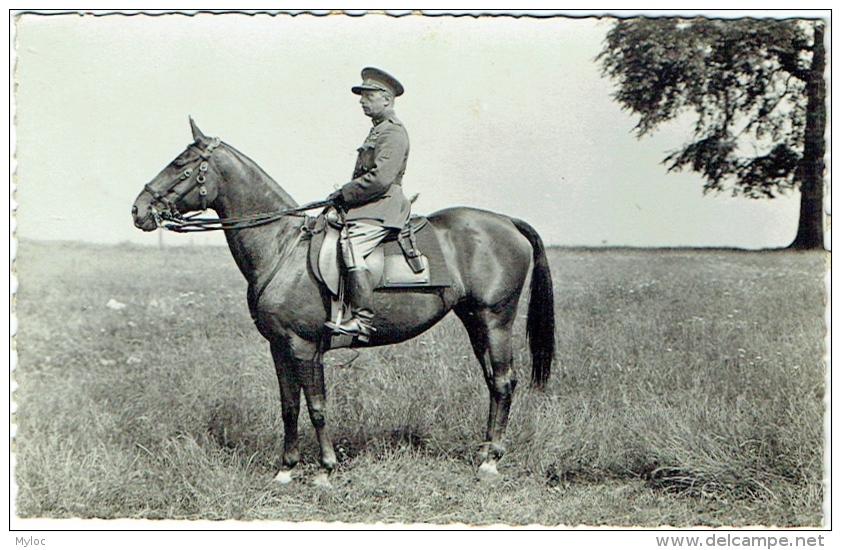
(197, 134)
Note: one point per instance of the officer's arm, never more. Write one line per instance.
(389, 154)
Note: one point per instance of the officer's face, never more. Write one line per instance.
(374, 102)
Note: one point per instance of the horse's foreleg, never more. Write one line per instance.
(312, 380)
(290, 400)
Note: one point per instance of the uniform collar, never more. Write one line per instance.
(385, 116)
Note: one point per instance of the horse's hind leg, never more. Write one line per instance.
(501, 384)
(490, 336)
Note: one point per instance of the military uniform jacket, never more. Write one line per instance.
(375, 193)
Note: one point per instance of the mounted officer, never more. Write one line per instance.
(373, 200)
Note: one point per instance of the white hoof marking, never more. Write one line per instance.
(283, 477)
(321, 480)
(488, 468)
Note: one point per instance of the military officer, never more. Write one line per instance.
(373, 200)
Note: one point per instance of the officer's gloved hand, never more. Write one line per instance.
(337, 199)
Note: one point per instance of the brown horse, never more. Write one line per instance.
(488, 256)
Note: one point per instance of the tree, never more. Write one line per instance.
(756, 91)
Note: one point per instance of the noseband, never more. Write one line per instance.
(200, 166)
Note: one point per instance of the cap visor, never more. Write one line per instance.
(359, 89)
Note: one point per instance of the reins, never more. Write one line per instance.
(191, 223)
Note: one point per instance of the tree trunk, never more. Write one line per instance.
(810, 230)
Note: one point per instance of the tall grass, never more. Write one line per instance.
(688, 389)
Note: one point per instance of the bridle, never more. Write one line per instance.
(200, 165)
(195, 175)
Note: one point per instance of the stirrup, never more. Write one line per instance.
(355, 326)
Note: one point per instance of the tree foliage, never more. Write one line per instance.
(744, 81)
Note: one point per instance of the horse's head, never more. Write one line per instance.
(183, 186)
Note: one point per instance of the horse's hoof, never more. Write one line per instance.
(323, 481)
(488, 472)
(284, 477)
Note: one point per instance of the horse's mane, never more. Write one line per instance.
(272, 184)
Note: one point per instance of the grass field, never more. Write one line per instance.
(688, 390)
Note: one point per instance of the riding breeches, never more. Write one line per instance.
(362, 239)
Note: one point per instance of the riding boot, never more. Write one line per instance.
(360, 295)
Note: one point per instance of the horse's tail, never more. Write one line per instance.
(540, 325)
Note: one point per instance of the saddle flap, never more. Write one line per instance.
(397, 272)
(326, 260)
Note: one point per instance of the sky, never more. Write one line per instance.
(506, 114)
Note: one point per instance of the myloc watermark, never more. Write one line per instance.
(26, 542)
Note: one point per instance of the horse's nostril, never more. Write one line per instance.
(134, 210)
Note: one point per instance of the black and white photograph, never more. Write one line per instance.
(295, 270)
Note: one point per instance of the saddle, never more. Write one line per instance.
(410, 258)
